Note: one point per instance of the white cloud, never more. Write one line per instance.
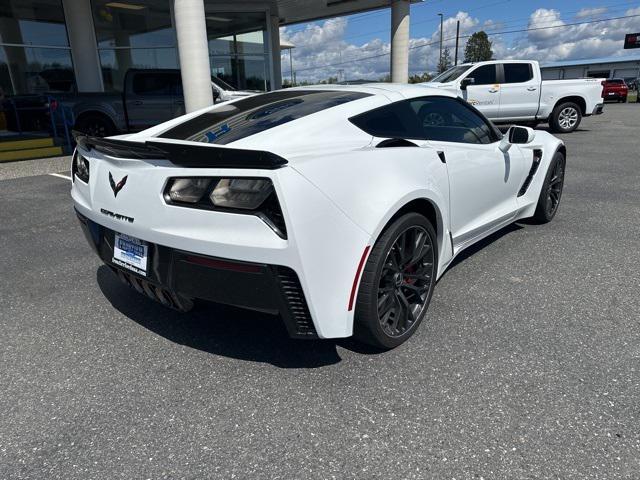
(318, 47)
(587, 40)
(591, 12)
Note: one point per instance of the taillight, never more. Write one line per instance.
(80, 167)
(251, 195)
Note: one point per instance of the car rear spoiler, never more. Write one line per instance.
(182, 154)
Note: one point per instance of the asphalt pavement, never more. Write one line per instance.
(528, 365)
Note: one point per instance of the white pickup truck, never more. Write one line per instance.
(512, 91)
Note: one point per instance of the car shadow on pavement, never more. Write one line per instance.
(485, 242)
(220, 329)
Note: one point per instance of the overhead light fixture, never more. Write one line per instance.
(218, 19)
(126, 6)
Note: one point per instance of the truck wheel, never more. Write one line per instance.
(565, 118)
(95, 125)
(397, 283)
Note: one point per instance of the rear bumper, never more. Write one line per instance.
(598, 109)
(172, 272)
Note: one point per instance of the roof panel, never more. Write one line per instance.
(635, 57)
(296, 11)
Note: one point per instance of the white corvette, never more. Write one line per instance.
(337, 207)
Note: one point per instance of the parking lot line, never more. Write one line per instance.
(60, 176)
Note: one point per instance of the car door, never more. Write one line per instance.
(484, 92)
(519, 91)
(150, 99)
(483, 181)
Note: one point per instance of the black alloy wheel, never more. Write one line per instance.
(554, 191)
(405, 282)
(551, 192)
(397, 283)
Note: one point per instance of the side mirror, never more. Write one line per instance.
(216, 95)
(466, 82)
(517, 136)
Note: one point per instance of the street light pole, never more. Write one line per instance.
(441, 25)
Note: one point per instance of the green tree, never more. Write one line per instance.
(420, 78)
(478, 48)
(445, 62)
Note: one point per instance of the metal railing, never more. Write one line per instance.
(42, 115)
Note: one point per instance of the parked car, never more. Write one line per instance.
(149, 97)
(336, 206)
(513, 91)
(615, 89)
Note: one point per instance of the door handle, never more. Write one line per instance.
(138, 102)
(532, 89)
(494, 90)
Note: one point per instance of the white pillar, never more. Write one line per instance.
(400, 41)
(193, 52)
(82, 40)
(274, 48)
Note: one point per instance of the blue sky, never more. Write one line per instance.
(319, 45)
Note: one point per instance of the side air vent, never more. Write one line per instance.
(299, 321)
(537, 156)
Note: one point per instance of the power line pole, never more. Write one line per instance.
(441, 26)
(291, 66)
(457, 41)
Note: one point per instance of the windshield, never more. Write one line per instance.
(451, 74)
(222, 84)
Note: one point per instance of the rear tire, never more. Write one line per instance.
(95, 125)
(551, 192)
(565, 118)
(397, 283)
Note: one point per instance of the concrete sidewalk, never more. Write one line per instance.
(29, 168)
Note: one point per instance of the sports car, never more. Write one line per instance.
(336, 207)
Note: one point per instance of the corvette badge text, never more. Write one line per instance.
(117, 216)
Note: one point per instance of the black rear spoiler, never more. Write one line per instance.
(184, 155)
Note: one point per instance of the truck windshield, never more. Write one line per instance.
(451, 74)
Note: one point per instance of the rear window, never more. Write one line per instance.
(517, 72)
(616, 81)
(397, 120)
(155, 83)
(256, 114)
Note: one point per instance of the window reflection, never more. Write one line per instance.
(33, 22)
(26, 70)
(116, 62)
(143, 23)
(238, 47)
(38, 59)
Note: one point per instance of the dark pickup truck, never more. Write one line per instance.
(149, 97)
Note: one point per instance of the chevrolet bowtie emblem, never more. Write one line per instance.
(116, 187)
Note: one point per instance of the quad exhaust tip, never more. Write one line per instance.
(166, 297)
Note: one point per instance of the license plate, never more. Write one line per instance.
(611, 93)
(131, 253)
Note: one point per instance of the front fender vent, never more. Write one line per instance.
(537, 157)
